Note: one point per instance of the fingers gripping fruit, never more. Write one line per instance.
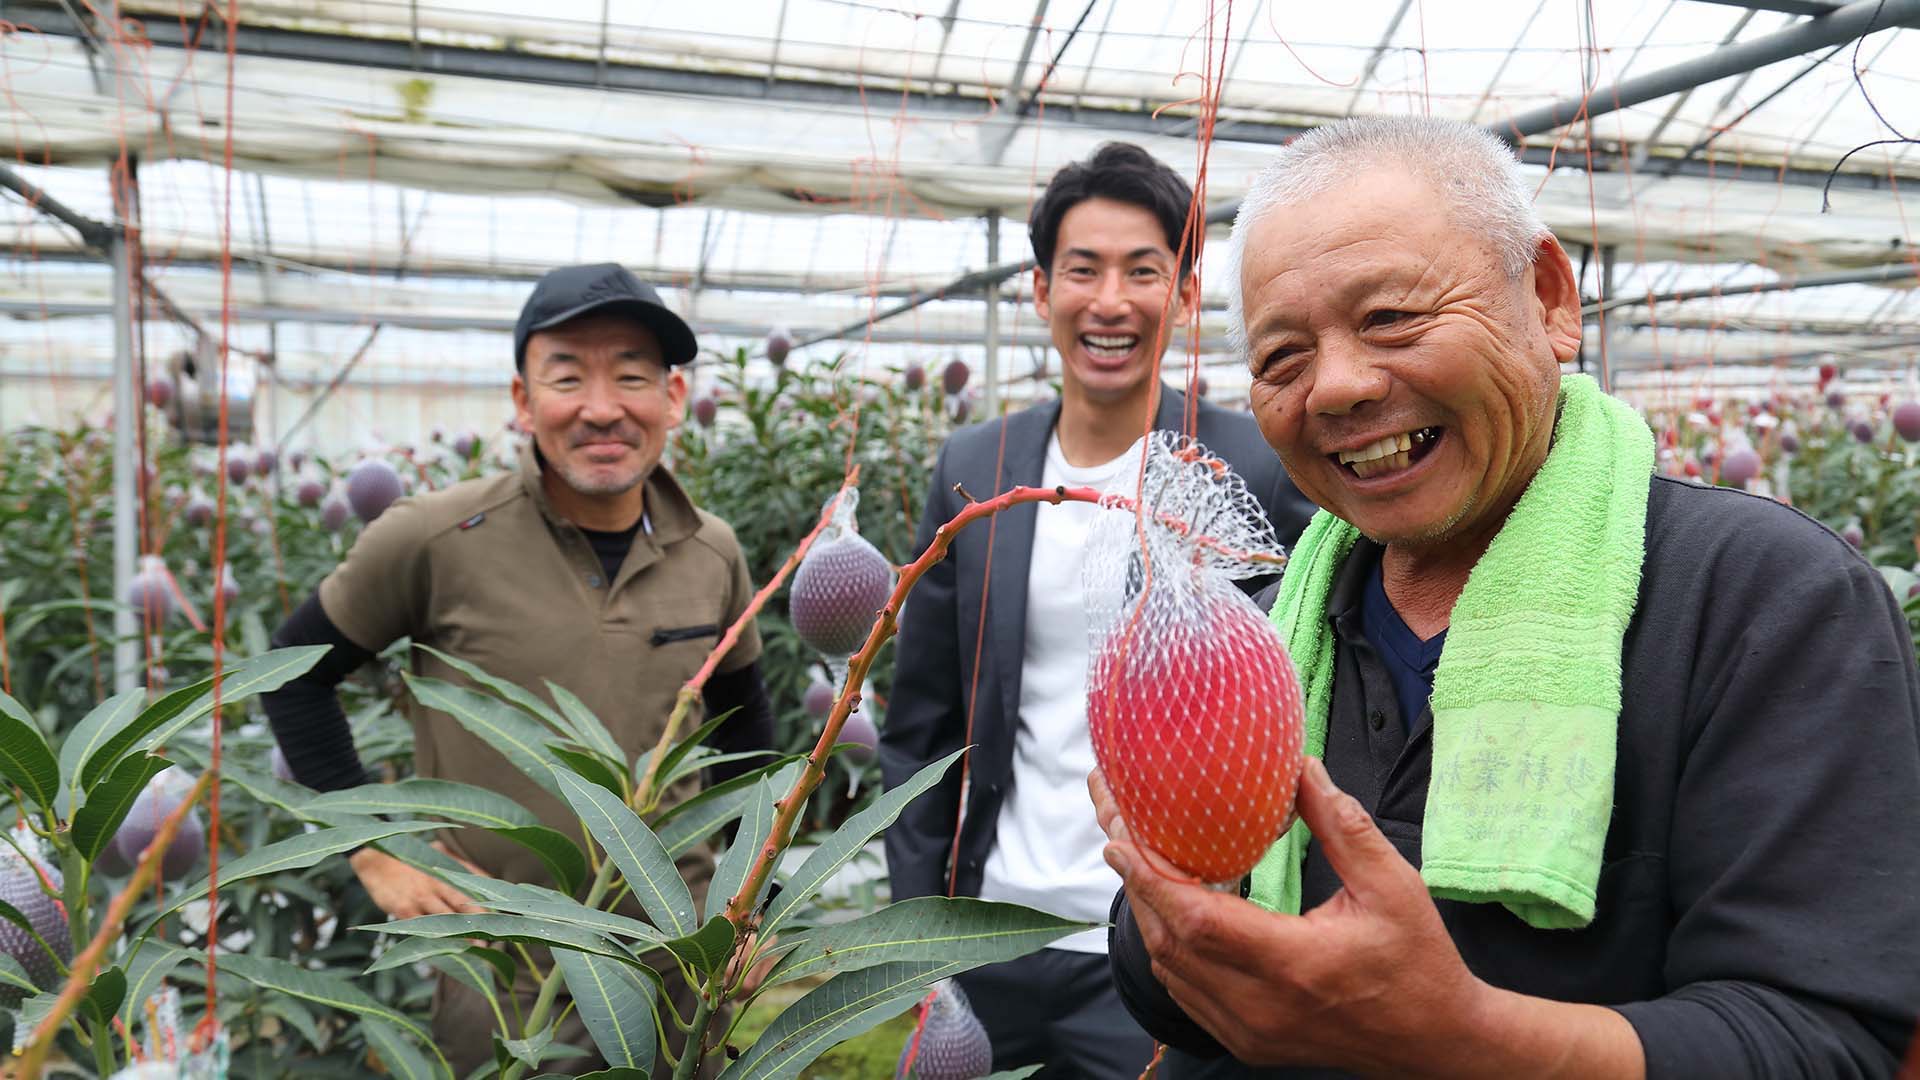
(1192, 702)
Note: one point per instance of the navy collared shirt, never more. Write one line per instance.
(1409, 661)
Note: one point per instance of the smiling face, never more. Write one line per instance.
(600, 401)
(1407, 382)
(1105, 298)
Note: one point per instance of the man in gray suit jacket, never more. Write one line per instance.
(1111, 285)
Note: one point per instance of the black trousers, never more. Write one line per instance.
(1058, 1009)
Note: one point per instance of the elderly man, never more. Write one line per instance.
(1651, 810)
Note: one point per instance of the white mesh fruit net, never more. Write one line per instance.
(1192, 702)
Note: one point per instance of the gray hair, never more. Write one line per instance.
(1476, 173)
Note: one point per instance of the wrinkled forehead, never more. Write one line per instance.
(1351, 235)
(598, 336)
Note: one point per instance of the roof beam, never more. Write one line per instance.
(1844, 24)
(1893, 274)
(1813, 8)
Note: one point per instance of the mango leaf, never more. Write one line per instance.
(923, 928)
(421, 855)
(542, 903)
(647, 867)
(730, 872)
(527, 700)
(534, 1049)
(105, 996)
(679, 750)
(589, 766)
(464, 803)
(474, 973)
(321, 988)
(685, 824)
(407, 952)
(12, 974)
(849, 839)
(522, 928)
(262, 785)
(147, 969)
(25, 759)
(616, 1002)
(520, 738)
(295, 1014)
(707, 759)
(618, 1072)
(844, 1006)
(398, 1053)
(1014, 1074)
(587, 727)
(707, 948)
(106, 718)
(297, 853)
(110, 800)
(161, 720)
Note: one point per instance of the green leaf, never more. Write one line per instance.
(521, 739)
(561, 856)
(586, 726)
(649, 870)
(106, 995)
(707, 759)
(531, 1051)
(1014, 1074)
(522, 928)
(298, 853)
(833, 1012)
(707, 948)
(399, 1054)
(271, 973)
(161, 720)
(151, 964)
(409, 951)
(448, 799)
(528, 701)
(106, 718)
(295, 1014)
(616, 1002)
(25, 758)
(471, 971)
(849, 839)
(110, 800)
(543, 903)
(589, 766)
(730, 872)
(12, 974)
(685, 824)
(679, 750)
(923, 928)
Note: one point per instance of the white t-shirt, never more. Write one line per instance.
(1047, 846)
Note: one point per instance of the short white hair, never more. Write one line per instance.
(1471, 168)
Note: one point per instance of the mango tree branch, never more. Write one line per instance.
(80, 974)
(644, 795)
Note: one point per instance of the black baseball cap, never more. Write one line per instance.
(573, 291)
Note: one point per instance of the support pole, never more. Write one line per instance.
(991, 374)
(126, 624)
(1607, 252)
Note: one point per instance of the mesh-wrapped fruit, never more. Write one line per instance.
(1192, 703)
(1906, 420)
(334, 511)
(953, 378)
(705, 410)
(779, 344)
(160, 391)
(309, 491)
(464, 443)
(862, 737)
(818, 700)
(371, 488)
(149, 593)
(1789, 442)
(265, 460)
(1863, 431)
(1740, 467)
(22, 884)
(239, 464)
(950, 1043)
(199, 510)
(163, 794)
(840, 587)
(915, 377)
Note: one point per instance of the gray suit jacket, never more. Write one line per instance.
(926, 717)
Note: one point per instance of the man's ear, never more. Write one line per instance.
(1555, 297)
(522, 402)
(1042, 297)
(677, 394)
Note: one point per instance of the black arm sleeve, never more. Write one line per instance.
(306, 716)
(1143, 995)
(750, 728)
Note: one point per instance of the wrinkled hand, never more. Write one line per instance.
(404, 891)
(1369, 980)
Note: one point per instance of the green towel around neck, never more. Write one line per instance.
(1526, 700)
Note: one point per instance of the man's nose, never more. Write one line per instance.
(1344, 379)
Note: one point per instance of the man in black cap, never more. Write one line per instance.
(588, 568)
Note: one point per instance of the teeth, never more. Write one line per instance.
(1391, 463)
(1099, 341)
(1392, 444)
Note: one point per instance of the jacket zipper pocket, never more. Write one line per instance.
(684, 633)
